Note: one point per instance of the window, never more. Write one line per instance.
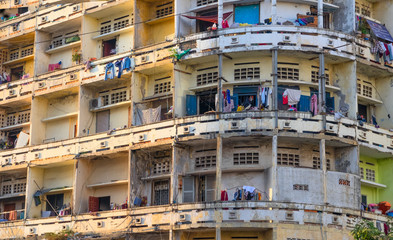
(14, 54)
(109, 47)
(370, 175)
(27, 51)
(188, 189)
(161, 192)
(19, 187)
(113, 96)
(23, 117)
(55, 203)
(205, 161)
(300, 187)
(104, 203)
(207, 78)
(361, 172)
(287, 73)
(7, 189)
(362, 110)
(119, 96)
(247, 14)
(205, 2)
(207, 101)
(246, 158)
(16, 73)
(164, 9)
(121, 22)
(106, 27)
(162, 87)
(247, 73)
(207, 185)
(359, 87)
(161, 167)
(367, 91)
(364, 200)
(288, 159)
(314, 77)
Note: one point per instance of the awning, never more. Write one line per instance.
(380, 31)
(213, 18)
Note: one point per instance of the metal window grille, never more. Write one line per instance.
(245, 158)
(288, 159)
(7, 189)
(19, 187)
(285, 73)
(247, 73)
(161, 167)
(370, 175)
(161, 192)
(314, 77)
(205, 161)
(207, 78)
(164, 10)
(117, 97)
(205, 2)
(300, 187)
(162, 87)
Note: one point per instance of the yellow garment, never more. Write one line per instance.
(240, 108)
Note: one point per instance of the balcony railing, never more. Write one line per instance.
(17, 27)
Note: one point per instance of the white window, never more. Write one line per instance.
(188, 189)
(207, 185)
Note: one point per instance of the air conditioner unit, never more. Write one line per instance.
(330, 43)
(44, 19)
(183, 217)
(73, 76)
(234, 40)
(329, 127)
(232, 215)
(16, 2)
(12, 92)
(144, 58)
(15, 27)
(95, 103)
(32, 230)
(104, 144)
(186, 129)
(64, 227)
(287, 124)
(76, 8)
(289, 216)
(360, 51)
(142, 137)
(362, 134)
(100, 224)
(287, 38)
(8, 161)
(234, 125)
(335, 219)
(41, 84)
(37, 156)
(138, 221)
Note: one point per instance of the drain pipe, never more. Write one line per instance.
(275, 87)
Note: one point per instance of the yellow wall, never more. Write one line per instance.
(29, 68)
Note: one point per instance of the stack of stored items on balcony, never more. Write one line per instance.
(381, 208)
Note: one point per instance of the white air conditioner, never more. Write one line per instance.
(362, 134)
(8, 161)
(330, 43)
(15, 27)
(37, 156)
(286, 38)
(16, 2)
(76, 8)
(100, 224)
(289, 216)
(44, 19)
(360, 50)
(138, 221)
(32, 230)
(104, 144)
(73, 77)
(232, 215)
(234, 40)
(287, 124)
(335, 219)
(183, 217)
(64, 227)
(41, 85)
(144, 58)
(142, 137)
(95, 103)
(12, 92)
(234, 125)
(186, 129)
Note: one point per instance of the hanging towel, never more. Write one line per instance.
(229, 96)
(148, 116)
(314, 104)
(53, 67)
(268, 93)
(293, 96)
(224, 196)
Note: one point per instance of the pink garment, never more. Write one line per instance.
(314, 104)
(225, 24)
(53, 67)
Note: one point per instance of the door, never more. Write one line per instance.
(8, 208)
(191, 105)
(108, 47)
(247, 14)
(102, 121)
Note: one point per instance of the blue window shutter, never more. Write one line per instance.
(330, 103)
(191, 105)
(247, 14)
(235, 100)
(304, 104)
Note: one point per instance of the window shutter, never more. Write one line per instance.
(191, 105)
(188, 189)
(210, 188)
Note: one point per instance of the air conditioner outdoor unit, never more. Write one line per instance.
(75, 8)
(41, 84)
(15, 27)
(138, 220)
(144, 58)
(169, 38)
(16, 2)
(12, 92)
(37, 155)
(142, 137)
(183, 217)
(104, 144)
(95, 103)
(234, 125)
(8, 161)
(44, 19)
(287, 38)
(73, 76)
(330, 43)
(235, 40)
(361, 51)
(100, 224)
(32, 230)
(186, 129)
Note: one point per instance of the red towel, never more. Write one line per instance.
(224, 196)
(53, 67)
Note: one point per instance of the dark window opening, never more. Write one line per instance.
(326, 20)
(104, 203)
(11, 138)
(207, 101)
(16, 73)
(22, 10)
(203, 25)
(161, 192)
(54, 203)
(362, 109)
(364, 200)
(108, 47)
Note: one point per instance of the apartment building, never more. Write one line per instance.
(194, 119)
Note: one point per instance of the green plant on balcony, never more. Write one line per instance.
(63, 235)
(365, 230)
(76, 57)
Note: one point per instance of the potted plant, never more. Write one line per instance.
(76, 58)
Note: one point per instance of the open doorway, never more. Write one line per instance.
(16, 73)
(108, 47)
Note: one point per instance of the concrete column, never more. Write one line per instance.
(275, 86)
(220, 12)
(322, 90)
(322, 157)
(219, 85)
(174, 176)
(274, 12)
(218, 233)
(274, 186)
(320, 13)
(218, 168)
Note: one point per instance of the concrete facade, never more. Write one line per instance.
(147, 154)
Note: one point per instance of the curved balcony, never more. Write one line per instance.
(266, 37)
(242, 214)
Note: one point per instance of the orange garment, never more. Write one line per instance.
(12, 216)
